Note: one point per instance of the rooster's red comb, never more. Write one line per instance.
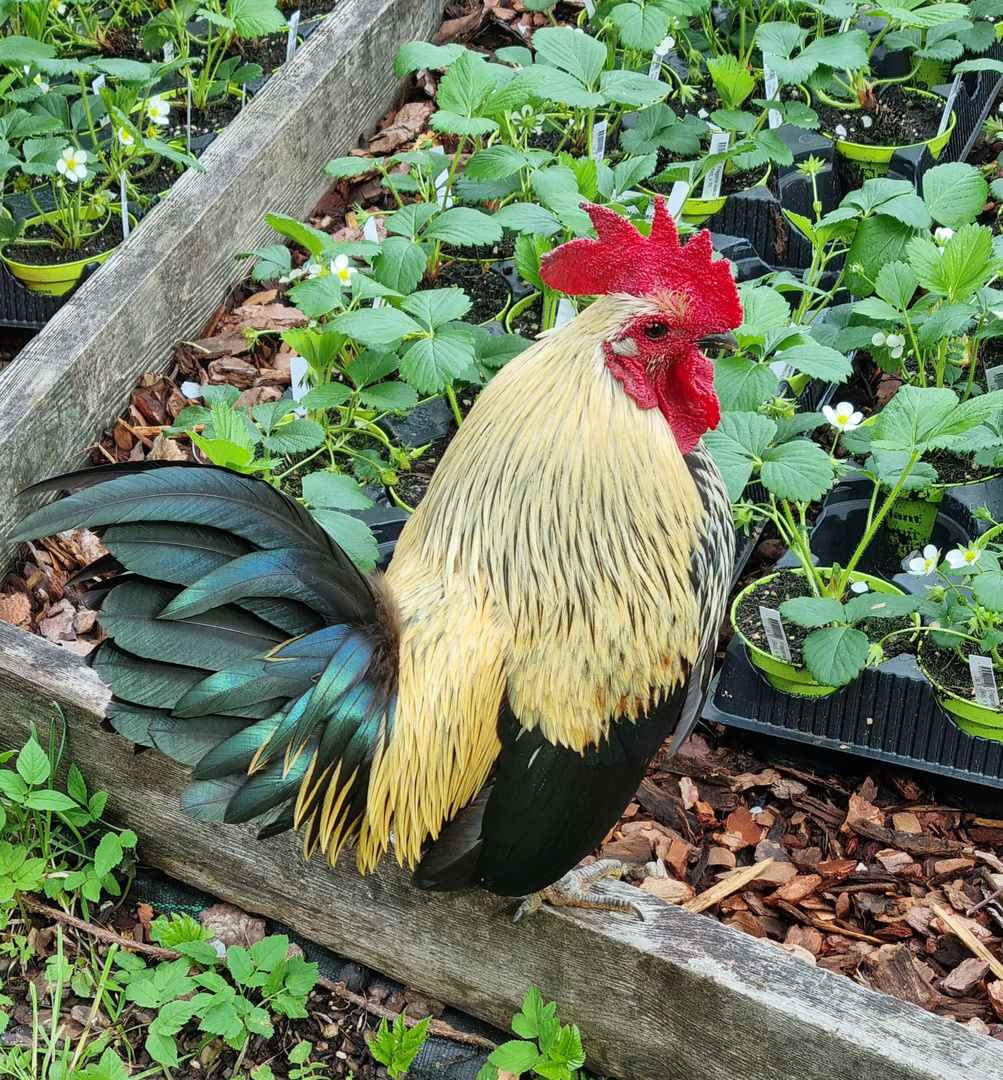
(622, 260)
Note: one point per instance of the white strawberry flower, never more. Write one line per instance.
(41, 83)
(942, 235)
(158, 110)
(73, 163)
(961, 558)
(896, 345)
(58, 6)
(125, 138)
(843, 417)
(313, 269)
(922, 565)
(341, 269)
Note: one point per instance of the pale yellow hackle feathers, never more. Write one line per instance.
(538, 565)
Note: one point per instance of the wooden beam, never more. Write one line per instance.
(676, 996)
(164, 282)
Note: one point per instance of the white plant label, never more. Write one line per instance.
(124, 199)
(298, 370)
(590, 8)
(599, 141)
(776, 639)
(984, 681)
(369, 232)
(294, 25)
(168, 52)
(658, 57)
(441, 188)
(845, 24)
(565, 312)
(188, 120)
(994, 377)
(772, 83)
(190, 389)
(711, 189)
(945, 117)
(96, 86)
(782, 370)
(677, 198)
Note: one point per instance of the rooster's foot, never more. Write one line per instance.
(575, 890)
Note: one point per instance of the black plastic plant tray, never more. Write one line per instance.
(889, 714)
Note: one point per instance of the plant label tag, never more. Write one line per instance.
(168, 52)
(294, 25)
(298, 370)
(677, 199)
(590, 8)
(599, 141)
(984, 681)
(994, 377)
(782, 370)
(945, 117)
(188, 119)
(124, 199)
(370, 232)
(711, 189)
(772, 83)
(565, 312)
(96, 87)
(845, 24)
(658, 57)
(441, 188)
(190, 390)
(776, 639)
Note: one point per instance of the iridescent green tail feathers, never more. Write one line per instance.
(242, 641)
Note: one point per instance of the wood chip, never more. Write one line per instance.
(740, 831)
(995, 992)
(959, 928)
(953, 866)
(688, 791)
(906, 822)
(894, 970)
(747, 923)
(895, 861)
(732, 883)
(669, 890)
(965, 977)
(799, 887)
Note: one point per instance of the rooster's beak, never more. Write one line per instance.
(716, 342)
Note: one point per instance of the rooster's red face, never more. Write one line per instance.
(680, 300)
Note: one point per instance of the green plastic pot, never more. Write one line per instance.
(874, 160)
(54, 279)
(696, 211)
(778, 673)
(968, 715)
(911, 518)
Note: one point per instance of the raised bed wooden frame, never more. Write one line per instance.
(676, 997)
(164, 282)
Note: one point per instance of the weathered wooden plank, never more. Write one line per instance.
(168, 277)
(677, 996)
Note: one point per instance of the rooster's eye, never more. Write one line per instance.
(656, 331)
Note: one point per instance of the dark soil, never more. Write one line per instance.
(954, 469)
(487, 289)
(786, 586)
(903, 118)
(948, 667)
(43, 254)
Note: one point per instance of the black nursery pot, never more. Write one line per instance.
(889, 713)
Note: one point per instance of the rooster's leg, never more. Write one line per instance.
(575, 890)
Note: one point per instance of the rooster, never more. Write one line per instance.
(489, 706)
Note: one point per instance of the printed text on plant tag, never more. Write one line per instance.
(712, 181)
(984, 681)
(776, 639)
(599, 141)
